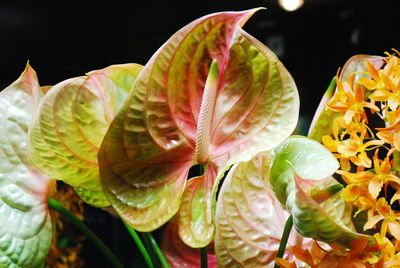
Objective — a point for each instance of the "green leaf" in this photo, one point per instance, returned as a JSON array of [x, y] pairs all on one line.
[[25, 225], [71, 123], [249, 218], [322, 123], [299, 166], [211, 95]]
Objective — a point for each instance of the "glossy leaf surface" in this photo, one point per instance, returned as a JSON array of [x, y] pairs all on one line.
[[249, 218], [323, 222], [179, 254], [299, 166], [72, 121], [180, 113], [25, 226], [195, 215]]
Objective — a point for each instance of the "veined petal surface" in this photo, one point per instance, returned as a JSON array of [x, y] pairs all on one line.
[[196, 224], [180, 255], [25, 226], [249, 218], [321, 222], [308, 158], [72, 121], [257, 103]]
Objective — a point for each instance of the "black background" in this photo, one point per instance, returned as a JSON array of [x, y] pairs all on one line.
[[63, 39]]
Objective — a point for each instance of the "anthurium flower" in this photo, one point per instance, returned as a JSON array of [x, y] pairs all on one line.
[[212, 95], [249, 218], [70, 125], [25, 225], [301, 166]]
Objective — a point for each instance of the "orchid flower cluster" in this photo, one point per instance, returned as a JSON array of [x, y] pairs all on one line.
[[199, 140], [364, 137]]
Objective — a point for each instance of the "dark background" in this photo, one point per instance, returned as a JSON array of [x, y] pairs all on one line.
[[63, 39]]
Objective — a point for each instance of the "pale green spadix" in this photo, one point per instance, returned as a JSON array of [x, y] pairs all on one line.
[[206, 113]]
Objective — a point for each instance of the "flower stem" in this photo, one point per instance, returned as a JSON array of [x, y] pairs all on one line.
[[149, 247], [140, 245], [204, 257], [57, 206], [156, 249], [284, 239]]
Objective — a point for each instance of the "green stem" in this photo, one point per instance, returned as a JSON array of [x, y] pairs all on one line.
[[140, 245], [204, 257], [149, 247], [156, 249], [284, 239], [57, 206]]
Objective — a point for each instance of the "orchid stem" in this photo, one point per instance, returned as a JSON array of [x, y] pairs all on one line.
[[140, 245], [156, 249], [284, 239], [60, 208], [204, 257]]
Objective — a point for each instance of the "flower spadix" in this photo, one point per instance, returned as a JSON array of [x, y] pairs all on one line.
[[211, 95], [25, 225]]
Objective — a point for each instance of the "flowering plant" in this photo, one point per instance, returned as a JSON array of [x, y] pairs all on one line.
[[200, 140]]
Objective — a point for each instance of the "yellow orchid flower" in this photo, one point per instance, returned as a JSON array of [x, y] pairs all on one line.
[[358, 195], [360, 255], [388, 256], [390, 135], [381, 176], [389, 218], [353, 149], [368, 85], [384, 83], [350, 99]]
